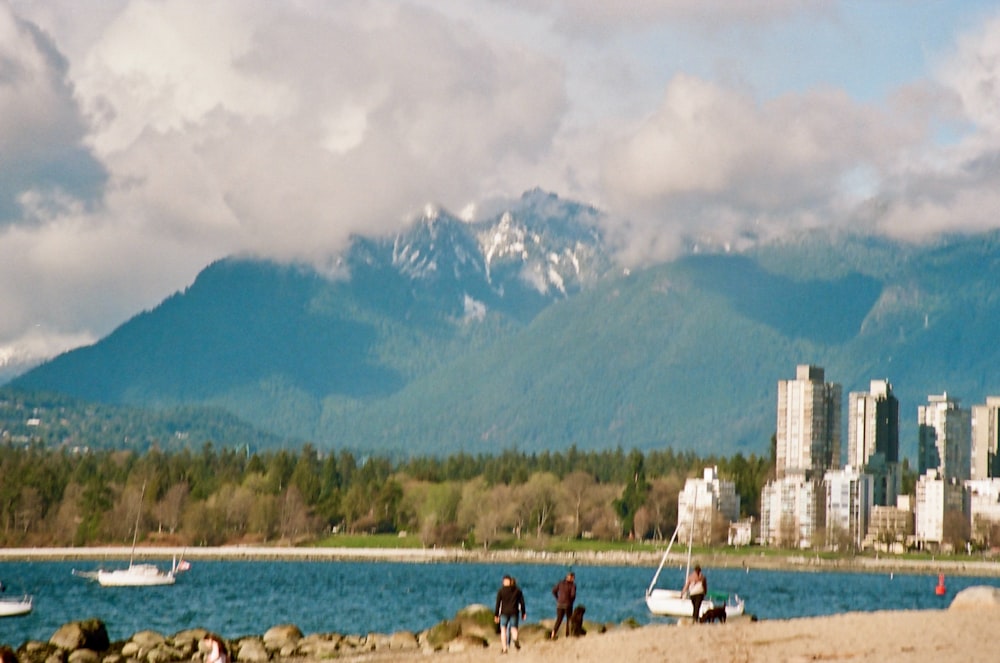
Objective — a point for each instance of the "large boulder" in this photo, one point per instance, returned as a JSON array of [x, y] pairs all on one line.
[[976, 598], [476, 620], [320, 646], [442, 633], [83, 656], [86, 634], [251, 650], [281, 636], [33, 651]]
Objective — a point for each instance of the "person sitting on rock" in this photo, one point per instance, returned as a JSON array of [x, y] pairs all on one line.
[[216, 649]]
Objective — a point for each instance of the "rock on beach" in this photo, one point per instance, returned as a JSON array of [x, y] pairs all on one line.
[[471, 629]]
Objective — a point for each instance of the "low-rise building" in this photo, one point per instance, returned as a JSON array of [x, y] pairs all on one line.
[[890, 528], [984, 511], [709, 505], [938, 501], [790, 511], [849, 500]]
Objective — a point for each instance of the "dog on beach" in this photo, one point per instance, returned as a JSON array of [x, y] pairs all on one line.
[[576, 622], [717, 614]]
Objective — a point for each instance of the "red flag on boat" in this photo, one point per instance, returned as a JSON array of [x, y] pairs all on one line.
[[183, 565]]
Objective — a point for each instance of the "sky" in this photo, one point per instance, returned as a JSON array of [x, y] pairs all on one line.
[[141, 140]]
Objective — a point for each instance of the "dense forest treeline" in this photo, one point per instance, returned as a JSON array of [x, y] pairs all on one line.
[[214, 496]]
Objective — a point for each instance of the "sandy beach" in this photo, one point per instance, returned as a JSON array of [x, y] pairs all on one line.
[[884, 637]]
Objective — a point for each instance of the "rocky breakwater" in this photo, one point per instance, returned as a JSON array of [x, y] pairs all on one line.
[[87, 642]]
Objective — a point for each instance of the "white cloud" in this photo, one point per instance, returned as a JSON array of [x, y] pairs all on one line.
[[41, 151], [953, 186], [712, 162], [265, 128], [142, 139], [600, 16]]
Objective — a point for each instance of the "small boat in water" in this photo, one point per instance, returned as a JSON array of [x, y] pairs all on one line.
[[136, 575], [14, 606]]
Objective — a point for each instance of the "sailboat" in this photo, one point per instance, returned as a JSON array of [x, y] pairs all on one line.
[[675, 603], [136, 575], [12, 606]]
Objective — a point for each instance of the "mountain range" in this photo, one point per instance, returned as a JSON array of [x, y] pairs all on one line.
[[520, 332]]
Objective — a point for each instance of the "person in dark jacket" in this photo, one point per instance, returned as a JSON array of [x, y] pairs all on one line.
[[510, 605], [696, 586], [565, 593]]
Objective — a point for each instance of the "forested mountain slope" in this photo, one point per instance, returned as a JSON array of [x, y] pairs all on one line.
[[519, 334]]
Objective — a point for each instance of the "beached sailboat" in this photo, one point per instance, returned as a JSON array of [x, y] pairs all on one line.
[[674, 603]]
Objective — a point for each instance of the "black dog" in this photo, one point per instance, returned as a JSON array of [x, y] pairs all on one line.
[[717, 614], [576, 622]]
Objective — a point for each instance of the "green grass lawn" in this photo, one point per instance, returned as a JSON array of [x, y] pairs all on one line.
[[369, 541]]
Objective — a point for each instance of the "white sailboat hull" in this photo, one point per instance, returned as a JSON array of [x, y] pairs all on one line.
[[136, 575], [12, 607], [671, 603]]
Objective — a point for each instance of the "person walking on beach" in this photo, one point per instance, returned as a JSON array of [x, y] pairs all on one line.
[[565, 593], [695, 587], [510, 605]]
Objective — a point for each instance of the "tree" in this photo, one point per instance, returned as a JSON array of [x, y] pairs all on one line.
[[306, 475], [28, 513], [662, 504], [956, 529], [634, 494], [293, 516], [538, 498], [67, 518], [169, 510], [125, 512], [576, 489]]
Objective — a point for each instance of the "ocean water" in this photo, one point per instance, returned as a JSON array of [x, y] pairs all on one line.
[[248, 597]]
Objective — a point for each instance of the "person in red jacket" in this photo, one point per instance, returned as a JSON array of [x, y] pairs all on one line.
[[565, 593]]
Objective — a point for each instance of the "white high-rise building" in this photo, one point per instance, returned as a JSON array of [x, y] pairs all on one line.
[[699, 503], [807, 441], [985, 439], [945, 438], [808, 426], [873, 438]]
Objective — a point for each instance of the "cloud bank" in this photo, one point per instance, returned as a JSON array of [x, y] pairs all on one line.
[[142, 139]]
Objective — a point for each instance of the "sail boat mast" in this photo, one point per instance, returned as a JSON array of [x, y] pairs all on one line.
[[135, 530], [694, 515]]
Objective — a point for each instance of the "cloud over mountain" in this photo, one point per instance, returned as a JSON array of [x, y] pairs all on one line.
[[143, 140]]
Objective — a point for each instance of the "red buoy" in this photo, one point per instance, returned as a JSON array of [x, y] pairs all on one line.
[[940, 589]]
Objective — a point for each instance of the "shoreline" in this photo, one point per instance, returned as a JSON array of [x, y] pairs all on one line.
[[801, 563]]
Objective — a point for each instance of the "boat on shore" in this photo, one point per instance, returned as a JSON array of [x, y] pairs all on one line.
[[676, 603], [672, 603], [14, 606]]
